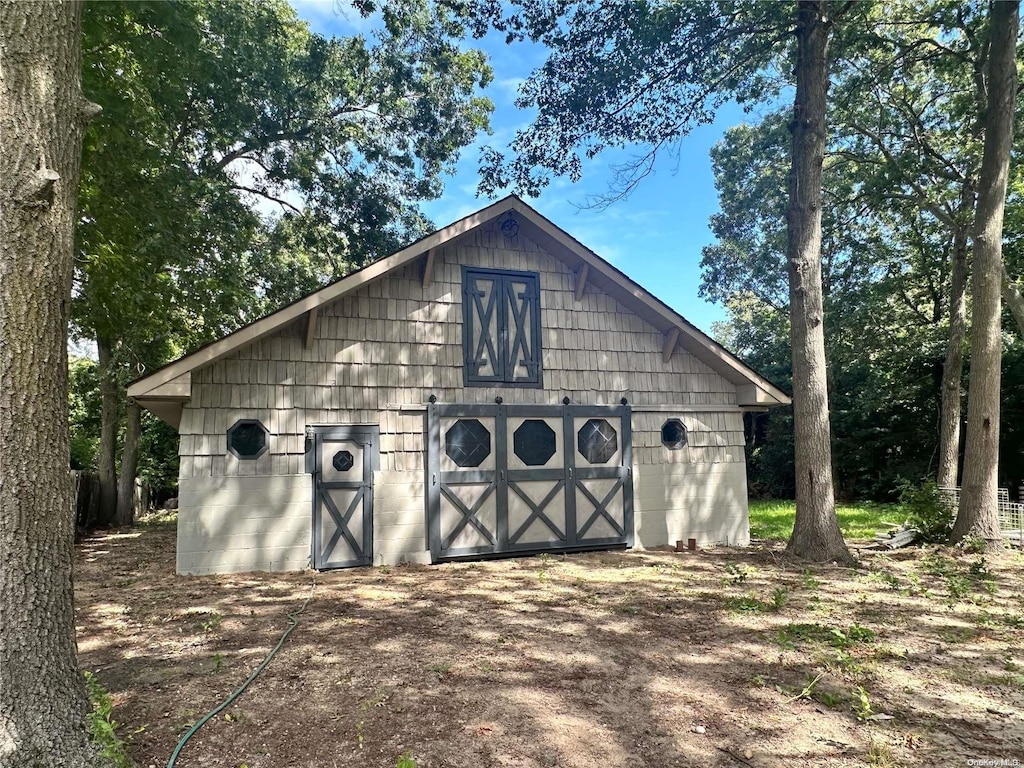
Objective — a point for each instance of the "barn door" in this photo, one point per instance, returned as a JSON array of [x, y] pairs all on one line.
[[536, 480], [600, 474], [463, 446], [528, 478], [343, 460]]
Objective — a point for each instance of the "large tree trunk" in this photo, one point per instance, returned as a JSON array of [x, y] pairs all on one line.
[[953, 367], [979, 512], [129, 465], [106, 460], [816, 534], [42, 116]]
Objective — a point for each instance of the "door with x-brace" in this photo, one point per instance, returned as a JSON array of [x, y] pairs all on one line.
[[525, 478], [343, 460]]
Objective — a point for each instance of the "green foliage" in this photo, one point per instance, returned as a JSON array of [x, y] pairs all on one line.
[[792, 634], [861, 704], [928, 510], [83, 412], [751, 603], [627, 74], [266, 162], [406, 761], [102, 727]]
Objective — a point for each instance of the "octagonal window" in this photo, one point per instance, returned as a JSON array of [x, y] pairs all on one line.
[[467, 443], [597, 441], [534, 442], [247, 439], [343, 461], [673, 434]]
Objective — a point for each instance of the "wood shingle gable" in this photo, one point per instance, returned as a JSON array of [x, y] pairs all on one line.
[[164, 390]]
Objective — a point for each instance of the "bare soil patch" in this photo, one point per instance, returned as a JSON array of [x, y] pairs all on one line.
[[724, 657]]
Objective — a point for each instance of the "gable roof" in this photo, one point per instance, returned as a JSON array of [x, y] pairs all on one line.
[[169, 382]]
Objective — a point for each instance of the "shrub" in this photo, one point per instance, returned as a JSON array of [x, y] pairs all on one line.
[[928, 510]]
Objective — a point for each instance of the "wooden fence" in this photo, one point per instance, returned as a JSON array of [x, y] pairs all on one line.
[[86, 497]]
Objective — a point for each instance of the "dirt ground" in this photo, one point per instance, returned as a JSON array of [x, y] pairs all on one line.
[[723, 657]]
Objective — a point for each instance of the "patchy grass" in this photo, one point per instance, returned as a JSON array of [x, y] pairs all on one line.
[[642, 659], [773, 520]]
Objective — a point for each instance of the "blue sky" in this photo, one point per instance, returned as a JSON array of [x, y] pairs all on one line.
[[655, 236]]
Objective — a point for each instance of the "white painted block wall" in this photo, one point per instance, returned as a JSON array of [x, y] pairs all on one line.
[[676, 502], [237, 524], [232, 524]]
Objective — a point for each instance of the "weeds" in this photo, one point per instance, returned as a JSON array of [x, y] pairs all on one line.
[[880, 755], [861, 704], [808, 689], [737, 573], [831, 700], [211, 624], [102, 727], [809, 582], [406, 761], [442, 670]]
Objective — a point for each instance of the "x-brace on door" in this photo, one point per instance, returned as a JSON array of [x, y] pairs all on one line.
[[343, 461], [526, 478]]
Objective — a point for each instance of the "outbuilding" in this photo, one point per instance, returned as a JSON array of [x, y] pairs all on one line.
[[494, 388]]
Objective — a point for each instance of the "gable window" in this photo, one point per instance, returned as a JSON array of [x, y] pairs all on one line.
[[501, 327]]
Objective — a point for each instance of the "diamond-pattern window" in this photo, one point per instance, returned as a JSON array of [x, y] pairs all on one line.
[[343, 461], [534, 442], [467, 443], [598, 441], [247, 439], [673, 434]]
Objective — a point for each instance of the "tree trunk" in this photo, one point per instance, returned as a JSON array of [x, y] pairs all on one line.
[[979, 511], [953, 367], [129, 465], [1014, 301], [43, 114], [816, 534], [106, 458]]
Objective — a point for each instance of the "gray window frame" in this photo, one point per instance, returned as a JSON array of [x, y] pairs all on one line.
[[243, 423], [501, 277]]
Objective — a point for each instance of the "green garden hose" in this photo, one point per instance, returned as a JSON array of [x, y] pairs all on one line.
[[293, 622]]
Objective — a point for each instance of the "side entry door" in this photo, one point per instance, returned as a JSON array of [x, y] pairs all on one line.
[[343, 460]]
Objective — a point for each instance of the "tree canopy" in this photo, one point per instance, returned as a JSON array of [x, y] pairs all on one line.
[[266, 162]]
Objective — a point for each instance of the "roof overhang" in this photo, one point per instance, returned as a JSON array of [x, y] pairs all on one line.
[[171, 384]]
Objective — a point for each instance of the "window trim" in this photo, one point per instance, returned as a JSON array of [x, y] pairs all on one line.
[[242, 423], [680, 444], [501, 276]]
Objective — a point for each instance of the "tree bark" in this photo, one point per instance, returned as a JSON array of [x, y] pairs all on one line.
[[106, 459], [979, 512], [42, 117], [1014, 300], [953, 367], [129, 465], [816, 535]]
